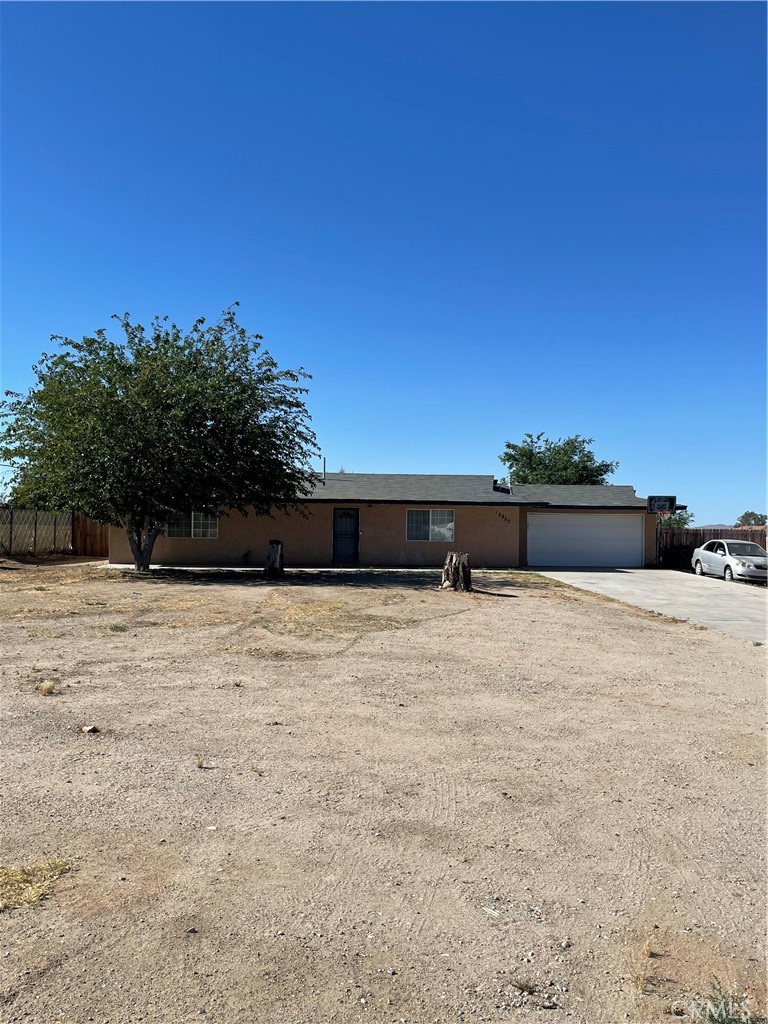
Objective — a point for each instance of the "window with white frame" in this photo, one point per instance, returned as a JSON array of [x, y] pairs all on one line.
[[430, 524], [194, 524]]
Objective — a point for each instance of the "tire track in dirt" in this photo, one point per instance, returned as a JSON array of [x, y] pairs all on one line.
[[372, 861]]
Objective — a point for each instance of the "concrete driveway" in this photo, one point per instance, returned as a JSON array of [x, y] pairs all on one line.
[[738, 609]]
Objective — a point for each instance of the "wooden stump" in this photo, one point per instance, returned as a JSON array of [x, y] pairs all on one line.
[[274, 567], [456, 572]]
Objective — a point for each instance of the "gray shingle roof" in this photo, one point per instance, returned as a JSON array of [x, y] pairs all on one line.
[[471, 490], [607, 496], [417, 487]]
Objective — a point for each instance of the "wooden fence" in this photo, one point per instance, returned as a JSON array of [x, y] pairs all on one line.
[[28, 531], [89, 537], [677, 546]]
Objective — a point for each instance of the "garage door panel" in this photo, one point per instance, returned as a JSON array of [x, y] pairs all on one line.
[[594, 540]]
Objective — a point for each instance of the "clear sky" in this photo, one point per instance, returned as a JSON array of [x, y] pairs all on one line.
[[467, 221]]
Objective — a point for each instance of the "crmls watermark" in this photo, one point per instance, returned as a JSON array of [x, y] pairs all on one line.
[[718, 1008]]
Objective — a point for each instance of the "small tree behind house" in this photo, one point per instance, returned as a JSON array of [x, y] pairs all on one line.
[[751, 519], [676, 520]]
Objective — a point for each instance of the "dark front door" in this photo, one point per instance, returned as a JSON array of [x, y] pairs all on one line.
[[346, 535]]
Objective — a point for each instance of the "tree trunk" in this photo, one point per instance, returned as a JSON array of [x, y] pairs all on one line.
[[274, 567], [456, 572], [142, 542]]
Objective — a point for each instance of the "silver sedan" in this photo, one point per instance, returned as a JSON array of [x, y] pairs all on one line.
[[731, 559]]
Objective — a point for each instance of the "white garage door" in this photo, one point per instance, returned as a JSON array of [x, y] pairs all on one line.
[[585, 539]]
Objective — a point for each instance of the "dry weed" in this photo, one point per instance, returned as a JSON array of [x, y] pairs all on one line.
[[648, 951], [176, 604], [639, 981], [322, 619], [25, 886], [46, 688], [273, 653], [37, 613], [216, 619]]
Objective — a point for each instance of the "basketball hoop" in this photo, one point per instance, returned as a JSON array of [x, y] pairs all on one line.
[[661, 504]]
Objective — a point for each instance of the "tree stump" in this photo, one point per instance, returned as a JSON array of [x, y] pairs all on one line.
[[274, 567], [456, 572]]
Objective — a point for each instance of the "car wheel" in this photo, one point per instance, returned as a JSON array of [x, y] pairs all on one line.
[[728, 574], [699, 569]]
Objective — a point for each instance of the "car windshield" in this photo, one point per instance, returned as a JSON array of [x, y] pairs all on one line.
[[745, 548]]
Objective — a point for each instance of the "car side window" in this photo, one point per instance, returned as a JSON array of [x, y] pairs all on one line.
[[710, 546]]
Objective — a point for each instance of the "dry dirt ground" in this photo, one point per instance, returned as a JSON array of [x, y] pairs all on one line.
[[361, 799]]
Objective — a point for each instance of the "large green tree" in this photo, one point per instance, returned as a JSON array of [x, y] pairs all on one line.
[[751, 519], [538, 460], [138, 431]]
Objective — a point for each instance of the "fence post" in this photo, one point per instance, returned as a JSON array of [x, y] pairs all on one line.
[[34, 536], [55, 523], [10, 534], [72, 533]]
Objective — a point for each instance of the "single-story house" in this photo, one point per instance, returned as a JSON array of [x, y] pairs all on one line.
[[411, 520]]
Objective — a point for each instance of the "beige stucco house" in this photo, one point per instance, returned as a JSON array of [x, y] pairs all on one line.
[[381, 519]]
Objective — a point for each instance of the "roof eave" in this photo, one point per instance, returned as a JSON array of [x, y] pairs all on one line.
[[469, 502]]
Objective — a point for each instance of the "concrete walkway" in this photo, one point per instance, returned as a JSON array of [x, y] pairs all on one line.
[[738, 609]]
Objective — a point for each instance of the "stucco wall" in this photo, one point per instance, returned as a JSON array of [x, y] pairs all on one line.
[[495, 537], [650, 540], [489, 534]]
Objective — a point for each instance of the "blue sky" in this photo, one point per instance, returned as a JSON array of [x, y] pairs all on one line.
[[467, 221]]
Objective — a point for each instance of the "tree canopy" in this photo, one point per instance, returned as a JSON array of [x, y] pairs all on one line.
[[538, 460], [751, 519], [136, 432], [677, 520]]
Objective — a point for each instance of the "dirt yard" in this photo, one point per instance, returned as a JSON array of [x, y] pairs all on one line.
[[357, 798]]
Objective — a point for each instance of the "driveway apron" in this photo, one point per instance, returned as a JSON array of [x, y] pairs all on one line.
[[738, 609]]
